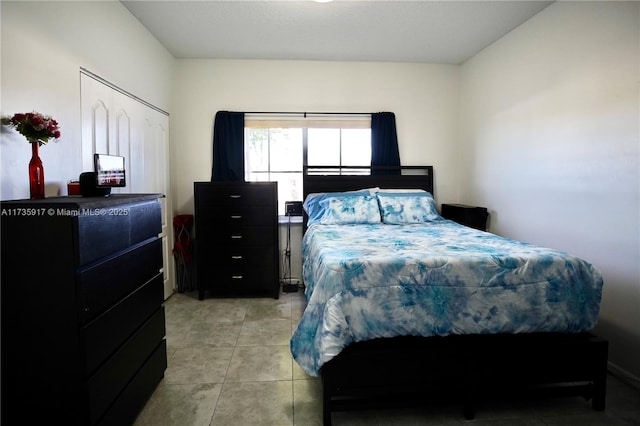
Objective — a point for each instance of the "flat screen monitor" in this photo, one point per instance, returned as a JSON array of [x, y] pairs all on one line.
[[109, 171]]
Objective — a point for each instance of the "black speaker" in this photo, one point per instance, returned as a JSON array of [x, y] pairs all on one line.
[[293, 208], [89, 186]]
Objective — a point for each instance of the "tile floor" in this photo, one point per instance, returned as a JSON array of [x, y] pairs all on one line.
[[229, 364]]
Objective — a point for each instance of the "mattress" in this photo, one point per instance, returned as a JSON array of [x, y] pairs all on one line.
[[368, 281]]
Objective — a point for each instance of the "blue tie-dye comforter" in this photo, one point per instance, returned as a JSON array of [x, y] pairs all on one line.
[[440, 278]]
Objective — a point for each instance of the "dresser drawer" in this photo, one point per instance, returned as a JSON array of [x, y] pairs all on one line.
[[234, 196], [211, 218], [104, 231], [248, 280], [113, 377], [244, 237], [237, 260], [103, 284], [126, 407], [106, 333]]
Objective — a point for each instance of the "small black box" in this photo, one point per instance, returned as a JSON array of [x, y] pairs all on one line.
[[293, 208], [89, 186]]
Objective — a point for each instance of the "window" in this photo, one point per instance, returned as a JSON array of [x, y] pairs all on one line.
[[275, 154], [277, 150], [339, 147]]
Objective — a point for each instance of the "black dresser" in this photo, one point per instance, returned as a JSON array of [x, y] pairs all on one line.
[[82, 317], [236, 238]]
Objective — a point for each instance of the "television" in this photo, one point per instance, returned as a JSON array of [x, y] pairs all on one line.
[[109, 171]]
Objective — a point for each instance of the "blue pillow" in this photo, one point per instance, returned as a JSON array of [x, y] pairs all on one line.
[[312, 205], [350, 209], [403, 208]]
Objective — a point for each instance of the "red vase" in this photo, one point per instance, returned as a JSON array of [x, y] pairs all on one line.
[[36, 173]]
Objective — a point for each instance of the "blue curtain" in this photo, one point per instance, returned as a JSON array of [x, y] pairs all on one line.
[[385, 157], [228, 146]]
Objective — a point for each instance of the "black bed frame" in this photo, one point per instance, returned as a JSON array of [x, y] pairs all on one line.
[[464, 369]]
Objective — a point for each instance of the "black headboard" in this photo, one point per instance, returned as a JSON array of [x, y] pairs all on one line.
[[412, 177]]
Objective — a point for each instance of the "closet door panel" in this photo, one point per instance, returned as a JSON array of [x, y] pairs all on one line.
[[118, 124]]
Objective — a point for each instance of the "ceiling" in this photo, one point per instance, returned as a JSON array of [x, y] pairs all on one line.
[[446, 32]]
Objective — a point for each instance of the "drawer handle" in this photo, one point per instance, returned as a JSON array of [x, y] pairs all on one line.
[[236, 216], [236, 237], [235, 196], [236, 257], [236, 277]]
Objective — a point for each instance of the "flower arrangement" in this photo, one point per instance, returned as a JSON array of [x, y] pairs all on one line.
[[34, 126]]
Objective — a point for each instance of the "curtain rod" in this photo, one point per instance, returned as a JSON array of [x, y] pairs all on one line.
[[304, 113]]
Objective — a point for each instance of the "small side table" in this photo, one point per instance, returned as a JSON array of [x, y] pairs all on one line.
[[472, 216]]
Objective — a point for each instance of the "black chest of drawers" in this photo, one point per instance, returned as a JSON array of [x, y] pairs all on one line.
[[236, 234], [82, 317]]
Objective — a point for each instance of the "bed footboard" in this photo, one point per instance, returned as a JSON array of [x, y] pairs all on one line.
[[420, 371]]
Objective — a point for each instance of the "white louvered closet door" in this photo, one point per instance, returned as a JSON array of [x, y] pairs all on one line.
[[115, 122]]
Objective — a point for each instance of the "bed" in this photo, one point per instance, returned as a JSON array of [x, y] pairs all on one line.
[[405, 307]]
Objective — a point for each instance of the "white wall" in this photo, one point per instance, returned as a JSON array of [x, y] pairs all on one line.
[[423, 97], [549, 142], [44, 44]]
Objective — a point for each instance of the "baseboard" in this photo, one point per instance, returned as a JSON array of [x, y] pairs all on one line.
[[624, 375]]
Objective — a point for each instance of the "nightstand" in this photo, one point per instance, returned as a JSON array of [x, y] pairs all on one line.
[[472, 216]]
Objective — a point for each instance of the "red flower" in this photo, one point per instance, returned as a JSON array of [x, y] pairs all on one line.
[[34, 126]]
